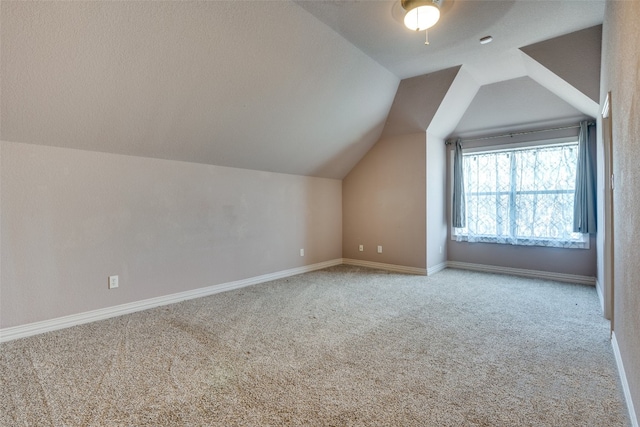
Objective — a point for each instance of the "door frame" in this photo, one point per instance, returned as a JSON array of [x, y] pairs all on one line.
[[608, 255]]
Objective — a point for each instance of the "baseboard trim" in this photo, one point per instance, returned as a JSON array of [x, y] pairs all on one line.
[[623, 379], [600, 295], [383, 266], [23, 331], [538, 274], [436, 268]]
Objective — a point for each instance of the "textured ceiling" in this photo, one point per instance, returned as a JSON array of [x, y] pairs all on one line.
[[496, 105], [294, 87], [375, 26], [256, 85]]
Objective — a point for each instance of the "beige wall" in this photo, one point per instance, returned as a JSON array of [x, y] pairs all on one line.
[[385, 195], [70, 218], [556, 260], [384, 203], [580, 262], [621, 76]]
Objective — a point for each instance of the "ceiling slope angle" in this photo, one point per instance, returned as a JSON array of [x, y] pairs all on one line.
[[522, 94], [225, 83], [514, 105], [376, 28], [574, 57], [417, 101]]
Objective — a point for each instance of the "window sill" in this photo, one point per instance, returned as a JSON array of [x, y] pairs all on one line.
[[547, 243]]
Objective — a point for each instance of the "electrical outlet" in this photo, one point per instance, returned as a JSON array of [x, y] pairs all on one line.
[[113, 282], [361, 248], [301, 252], [379, 249]]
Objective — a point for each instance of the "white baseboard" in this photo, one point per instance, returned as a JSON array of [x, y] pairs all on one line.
[[388, 267], [436, 268], [560, 277], [22, 331], [623, 379], [600, 295]]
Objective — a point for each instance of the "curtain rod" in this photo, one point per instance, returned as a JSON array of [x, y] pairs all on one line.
[[512, 134]]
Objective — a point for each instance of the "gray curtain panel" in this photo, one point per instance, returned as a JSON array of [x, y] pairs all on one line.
[[458, 211], [584, 204]]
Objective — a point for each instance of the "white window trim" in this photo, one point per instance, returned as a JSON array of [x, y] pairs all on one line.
[[517, 145]]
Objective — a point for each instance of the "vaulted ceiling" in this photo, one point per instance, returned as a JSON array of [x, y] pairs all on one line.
[[534, 105], [376, 28], [295, 87]]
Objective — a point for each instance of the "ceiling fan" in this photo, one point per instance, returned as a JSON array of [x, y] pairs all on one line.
[[421, 14]]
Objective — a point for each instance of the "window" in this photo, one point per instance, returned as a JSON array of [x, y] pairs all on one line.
[[521, 196]]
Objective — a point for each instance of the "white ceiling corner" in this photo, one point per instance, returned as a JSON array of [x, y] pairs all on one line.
[[560, 87], [455, 103]]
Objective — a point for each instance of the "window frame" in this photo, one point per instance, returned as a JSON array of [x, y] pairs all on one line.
[[583, 243]]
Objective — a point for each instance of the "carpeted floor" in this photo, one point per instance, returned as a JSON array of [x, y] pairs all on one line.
[[345, 346]]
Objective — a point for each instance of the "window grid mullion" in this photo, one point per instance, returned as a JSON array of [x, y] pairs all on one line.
[[536, 194], [496, 197], [512, 196]]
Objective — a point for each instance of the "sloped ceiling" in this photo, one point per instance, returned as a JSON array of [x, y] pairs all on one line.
[[574, 57], [295, 87], [248, 84], [376, 27], [416, 102], [562, 38], [514, 104]]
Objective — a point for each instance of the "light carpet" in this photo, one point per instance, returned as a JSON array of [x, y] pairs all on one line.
[[344, 346]]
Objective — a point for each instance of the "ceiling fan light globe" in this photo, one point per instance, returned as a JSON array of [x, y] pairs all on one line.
[[422, 17]]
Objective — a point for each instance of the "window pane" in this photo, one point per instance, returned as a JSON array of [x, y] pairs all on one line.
[[521, 196]]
